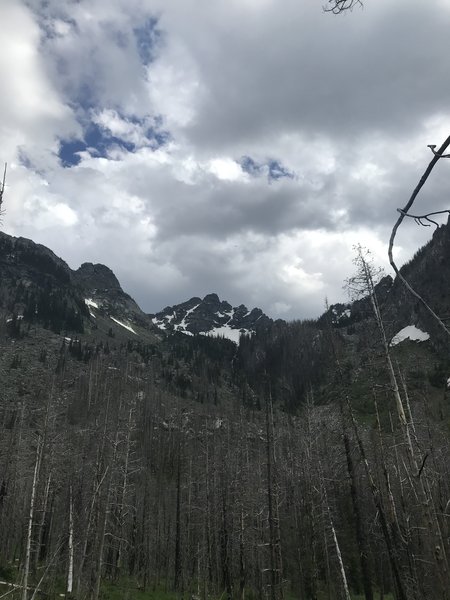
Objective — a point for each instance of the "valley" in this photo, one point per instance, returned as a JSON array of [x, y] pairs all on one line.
[[149, 456]]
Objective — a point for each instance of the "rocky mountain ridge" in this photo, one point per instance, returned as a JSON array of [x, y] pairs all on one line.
[[39, 285], [210, 316]]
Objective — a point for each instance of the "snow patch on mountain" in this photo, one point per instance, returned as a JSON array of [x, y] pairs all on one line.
[[91, 303], [158, 323], [340, 312], [124, 325], [183, 325], [225, 331], [412, 333]]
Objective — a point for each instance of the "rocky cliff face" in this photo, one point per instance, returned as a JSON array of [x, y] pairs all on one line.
[[96, 277], [37, 286], [101, 288]]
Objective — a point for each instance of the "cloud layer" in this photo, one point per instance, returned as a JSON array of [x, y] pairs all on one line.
[[235, 147]]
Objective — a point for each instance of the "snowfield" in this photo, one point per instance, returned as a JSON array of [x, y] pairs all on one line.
[[411, 332], [225, 331]]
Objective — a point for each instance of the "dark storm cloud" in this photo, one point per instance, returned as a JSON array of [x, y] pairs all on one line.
[[381, 69], [221, 208]]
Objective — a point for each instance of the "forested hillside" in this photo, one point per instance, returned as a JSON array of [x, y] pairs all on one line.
[[309, 461]]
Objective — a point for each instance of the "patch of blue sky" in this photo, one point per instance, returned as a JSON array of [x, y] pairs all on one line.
[[98, 141], [159, 137], [278, 171], [98, 138], [250, 166], [148, 39], [69, 152], [272, 168]]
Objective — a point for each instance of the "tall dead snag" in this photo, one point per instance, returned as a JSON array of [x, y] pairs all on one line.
[[401, 593], [122, 508], [346, 592], [2, 189], [361, 538], [420, 220], [70, 545], [276, 588], [37, 466], [363, 283], [177, 582]]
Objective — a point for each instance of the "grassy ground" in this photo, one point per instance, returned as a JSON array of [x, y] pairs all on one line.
[[126, 591]]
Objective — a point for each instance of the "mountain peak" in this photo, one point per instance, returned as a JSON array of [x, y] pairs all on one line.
[[211, 298], [210, 316], [96, 276]]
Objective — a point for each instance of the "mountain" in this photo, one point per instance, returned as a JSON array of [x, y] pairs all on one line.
[[88, 304], [37, 286], [211, 316], [40, 287], [102, 291]]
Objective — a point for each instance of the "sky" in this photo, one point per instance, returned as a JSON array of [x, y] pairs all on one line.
[[241, 147]]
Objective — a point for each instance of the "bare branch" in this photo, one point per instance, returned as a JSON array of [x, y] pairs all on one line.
[[422, 465], [420, 218], [432, 148], [339, 6], [404, 212]]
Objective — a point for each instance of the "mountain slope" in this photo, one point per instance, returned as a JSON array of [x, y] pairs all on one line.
[[428, 272], [41, 289], [89, 304]]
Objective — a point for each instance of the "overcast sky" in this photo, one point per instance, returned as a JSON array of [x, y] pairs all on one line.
[[233, 146]]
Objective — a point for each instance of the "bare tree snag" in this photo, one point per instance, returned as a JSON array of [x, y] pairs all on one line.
[[37, 466], [437, 155], [70, 569], [2, 188]]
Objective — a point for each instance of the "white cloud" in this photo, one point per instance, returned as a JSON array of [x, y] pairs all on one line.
[[174, 86], [226, 169], [32, 113]]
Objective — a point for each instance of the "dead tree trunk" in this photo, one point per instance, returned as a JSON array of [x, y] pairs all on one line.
[[37, 465]]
